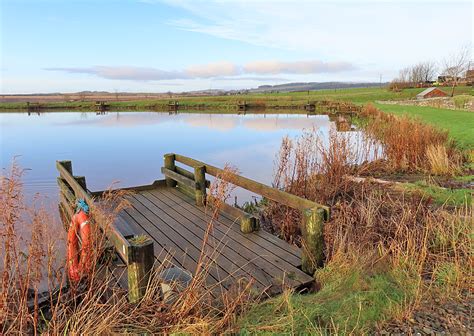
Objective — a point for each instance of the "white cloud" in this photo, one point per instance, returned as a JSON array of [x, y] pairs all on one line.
[[385, 34], [124, 72], [217, 70], [300, 67]]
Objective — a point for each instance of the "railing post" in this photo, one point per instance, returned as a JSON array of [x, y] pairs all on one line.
[[312, 255], [82, 182], [140, 265], [169, 163], [248, 224], [67, 165], [200, 179]]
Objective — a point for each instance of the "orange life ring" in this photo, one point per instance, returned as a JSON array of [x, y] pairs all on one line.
[[79, 259]]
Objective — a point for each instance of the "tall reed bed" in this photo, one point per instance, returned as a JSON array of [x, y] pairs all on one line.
[[410, 144], [367, 217], [98, 305]]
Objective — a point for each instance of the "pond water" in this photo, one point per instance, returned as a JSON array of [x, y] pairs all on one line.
[[128, 147]]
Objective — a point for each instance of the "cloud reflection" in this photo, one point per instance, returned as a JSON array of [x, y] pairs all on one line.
[[219, 122]]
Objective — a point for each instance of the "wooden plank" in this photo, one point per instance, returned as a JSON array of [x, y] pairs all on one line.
[[240, 253], [161, 252], [242, 240], [71, 181], [198, 227], [185, 190], [184, 172], [179, 178], [188, 174], [261, 242], [273, 194], [188, 255], [154, 185], [64, 188], [283, 245], [264, 239], [229, 269], [66, 207], [123, 227], [166, 255], [238, 214]]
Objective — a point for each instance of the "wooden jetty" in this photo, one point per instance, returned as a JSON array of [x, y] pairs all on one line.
[[310, 107], [31, 107], [101, 106], [171, 218], [242, 106], [173, 105]]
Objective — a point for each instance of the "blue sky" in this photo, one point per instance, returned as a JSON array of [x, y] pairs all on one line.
[[159, 45]]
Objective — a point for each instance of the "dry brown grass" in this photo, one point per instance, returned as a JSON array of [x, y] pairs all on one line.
[[406, 141], [97, 305], [439, 161], [392, 228], [311, 168]]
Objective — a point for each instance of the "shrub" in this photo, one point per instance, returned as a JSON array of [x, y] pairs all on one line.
[[461, 101], [438, 160]]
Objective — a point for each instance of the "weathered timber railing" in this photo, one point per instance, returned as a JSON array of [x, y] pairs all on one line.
[[195, 184], [136, 252]]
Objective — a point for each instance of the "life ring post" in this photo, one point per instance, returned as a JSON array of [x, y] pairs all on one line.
[[140, 266]]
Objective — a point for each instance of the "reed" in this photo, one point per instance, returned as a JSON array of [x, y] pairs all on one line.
[[97, 304], [408, 142]]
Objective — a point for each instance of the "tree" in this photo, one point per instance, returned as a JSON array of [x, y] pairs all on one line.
[[422, 72], [456, 65]]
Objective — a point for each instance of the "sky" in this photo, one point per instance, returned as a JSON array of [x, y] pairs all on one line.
[[182, 45]]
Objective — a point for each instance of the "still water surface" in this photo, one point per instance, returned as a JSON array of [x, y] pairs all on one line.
[[128, 147]]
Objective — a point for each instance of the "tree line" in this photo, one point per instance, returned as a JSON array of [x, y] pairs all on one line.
[[453, 68]]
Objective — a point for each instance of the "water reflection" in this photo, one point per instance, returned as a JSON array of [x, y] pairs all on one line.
[[128, 146]]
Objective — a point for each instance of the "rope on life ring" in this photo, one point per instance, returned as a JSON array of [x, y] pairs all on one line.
[[79, 253]]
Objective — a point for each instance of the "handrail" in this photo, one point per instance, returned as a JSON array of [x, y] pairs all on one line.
[[120, 243], [137, 251], [313, 214], [273, 194]]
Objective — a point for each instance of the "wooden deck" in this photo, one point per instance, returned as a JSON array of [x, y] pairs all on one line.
[[169, 221], [177, 227]]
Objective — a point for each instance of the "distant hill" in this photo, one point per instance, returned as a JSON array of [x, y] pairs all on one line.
[[291, 87]]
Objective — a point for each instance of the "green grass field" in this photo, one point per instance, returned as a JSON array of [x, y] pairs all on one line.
[[460, 124], [357, 95]]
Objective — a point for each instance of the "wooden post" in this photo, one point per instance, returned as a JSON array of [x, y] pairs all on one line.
[[82, 181], [140, 265], [65, 192], [248, 224], [313, 240], [200, 179], [170, 164], [67, 165]]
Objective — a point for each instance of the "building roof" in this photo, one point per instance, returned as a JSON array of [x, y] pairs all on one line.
[[425, 92]]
